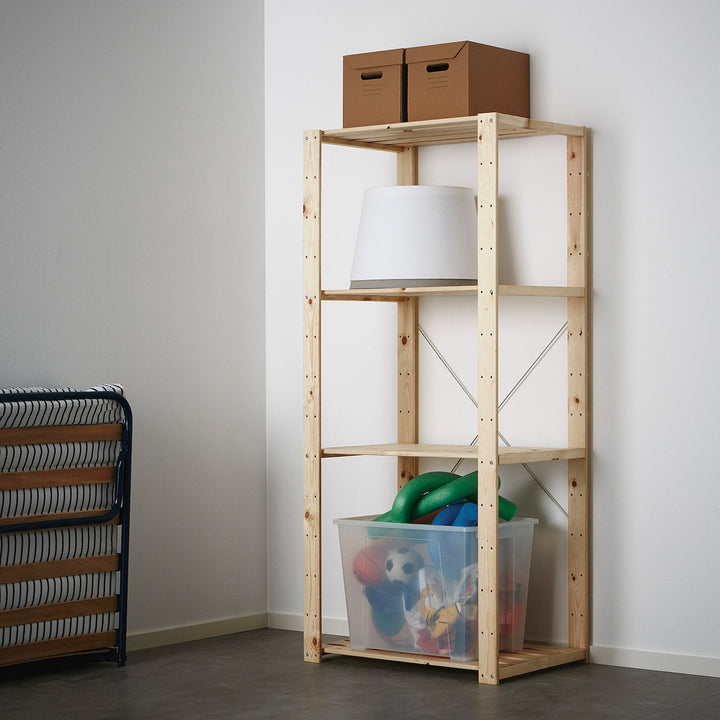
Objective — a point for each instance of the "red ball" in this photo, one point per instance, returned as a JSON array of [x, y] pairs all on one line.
[[369, 565]]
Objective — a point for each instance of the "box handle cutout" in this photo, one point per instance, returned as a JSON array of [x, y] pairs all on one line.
[[371, 75], [438, 67]]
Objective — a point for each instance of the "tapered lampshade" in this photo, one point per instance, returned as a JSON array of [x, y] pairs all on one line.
[[415, 236]]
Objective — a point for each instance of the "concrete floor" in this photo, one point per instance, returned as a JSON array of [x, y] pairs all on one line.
[[260, 674]]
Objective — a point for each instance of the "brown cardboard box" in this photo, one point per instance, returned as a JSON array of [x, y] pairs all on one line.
[[374, 88], [466, 78]]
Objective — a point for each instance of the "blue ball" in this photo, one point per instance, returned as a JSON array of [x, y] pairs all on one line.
[[448, 514], [468, 516]]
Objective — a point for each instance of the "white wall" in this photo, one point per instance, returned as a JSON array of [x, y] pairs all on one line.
[[644, 77], [131, 191]]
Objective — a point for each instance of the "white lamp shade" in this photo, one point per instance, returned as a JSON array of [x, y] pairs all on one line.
[[416, 235]]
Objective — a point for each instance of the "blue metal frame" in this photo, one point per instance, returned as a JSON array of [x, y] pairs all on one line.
[[121, 497]]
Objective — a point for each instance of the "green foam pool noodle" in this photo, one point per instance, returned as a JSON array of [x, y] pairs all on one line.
[[459, 489], [434, 490], [409, 494], [506, 508]]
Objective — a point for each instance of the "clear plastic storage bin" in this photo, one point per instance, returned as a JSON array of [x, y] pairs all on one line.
[[413, 588]]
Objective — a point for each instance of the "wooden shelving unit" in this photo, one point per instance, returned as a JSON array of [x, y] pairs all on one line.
[[404, 139]]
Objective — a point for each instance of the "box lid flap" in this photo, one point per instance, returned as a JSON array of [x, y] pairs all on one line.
[[375, 59], [429, 53]]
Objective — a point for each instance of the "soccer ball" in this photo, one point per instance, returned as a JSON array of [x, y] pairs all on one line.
[[402, 565]]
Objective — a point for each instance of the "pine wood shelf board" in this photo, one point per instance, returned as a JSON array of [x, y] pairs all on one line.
[[540, 291], [530, 659], [435, 132], [506, 455], [392, 294], [342, 647], [537, 657]]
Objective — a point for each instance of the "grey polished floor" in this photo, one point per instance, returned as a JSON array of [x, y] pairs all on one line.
[[260, 674]]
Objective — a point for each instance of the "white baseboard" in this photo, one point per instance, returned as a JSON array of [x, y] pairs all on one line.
[[201, 631], [620, 657], [291, 621], [647, 660]]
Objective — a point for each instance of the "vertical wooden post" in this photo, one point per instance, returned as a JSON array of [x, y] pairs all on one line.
[[311, 400], [578, 396], [487, 400], [407, 174]]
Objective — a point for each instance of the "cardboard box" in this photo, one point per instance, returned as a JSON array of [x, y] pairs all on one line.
[[414, 588], [466, 78], [374, 88]]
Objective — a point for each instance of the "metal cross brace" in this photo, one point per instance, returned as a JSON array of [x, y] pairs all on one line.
[[513, 390]]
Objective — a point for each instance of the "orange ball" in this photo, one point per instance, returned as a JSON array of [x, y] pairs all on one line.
[[369, 565]]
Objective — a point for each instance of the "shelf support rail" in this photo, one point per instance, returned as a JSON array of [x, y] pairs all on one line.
[[488, 668], [312, 545], [578, 395]]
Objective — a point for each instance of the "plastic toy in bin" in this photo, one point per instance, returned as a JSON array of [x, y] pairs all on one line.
[[437, 622], [433, 491], [369, 565]]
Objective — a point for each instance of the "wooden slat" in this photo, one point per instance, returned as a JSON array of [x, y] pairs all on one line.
[[58, 611], [407, 367], [60, 434], [76, 515], [58, 647], [407, 347], [512, 126], [437, 132], [578, 397], [507, 455], [115, 520], [342, 647], [311, 398], [59, 568], [540, 291], [487, 399], [403, 450], [57, 478], [395, 294], [408, 134], [530, 659], [348, 142], [519, 455]]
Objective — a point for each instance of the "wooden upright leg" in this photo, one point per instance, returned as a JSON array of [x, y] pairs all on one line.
[[487, 401], [407, 385], [578, 397], [407, 174], [311, 401]]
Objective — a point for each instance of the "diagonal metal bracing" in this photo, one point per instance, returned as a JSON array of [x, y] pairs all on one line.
[[505, 400]]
